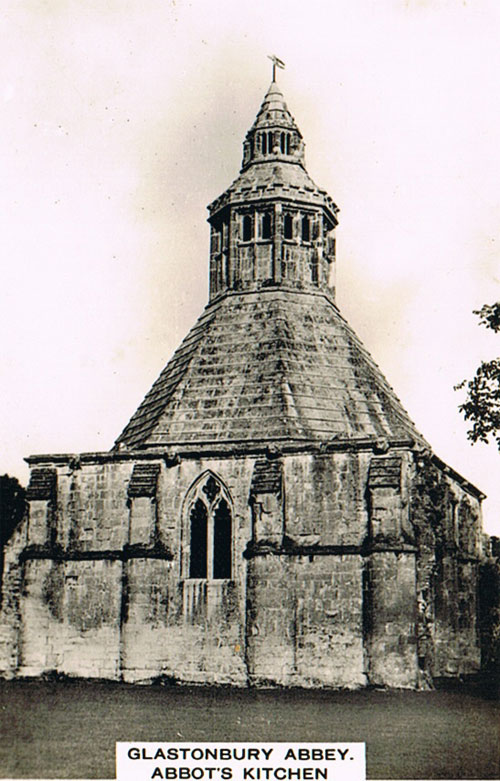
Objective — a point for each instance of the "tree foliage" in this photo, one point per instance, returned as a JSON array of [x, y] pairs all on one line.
[[482, 405], [489, 315], [12, 505]]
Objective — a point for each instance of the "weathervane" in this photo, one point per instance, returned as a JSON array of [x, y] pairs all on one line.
[[276, 62]]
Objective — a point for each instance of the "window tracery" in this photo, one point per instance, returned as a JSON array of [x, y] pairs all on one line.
[[208, 530]]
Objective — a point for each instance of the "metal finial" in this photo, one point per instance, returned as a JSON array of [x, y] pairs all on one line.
[[276, 62]]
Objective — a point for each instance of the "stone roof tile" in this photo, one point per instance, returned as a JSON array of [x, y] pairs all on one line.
[[42, 484], [144, 480], [268, 365]]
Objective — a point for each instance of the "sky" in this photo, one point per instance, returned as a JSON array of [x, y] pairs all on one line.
[[123, 119]]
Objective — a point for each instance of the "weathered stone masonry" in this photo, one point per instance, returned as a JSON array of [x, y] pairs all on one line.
[[342, 596], [269, 515]]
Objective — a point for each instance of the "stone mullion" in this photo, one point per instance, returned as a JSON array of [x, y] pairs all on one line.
[[214, 275], [317, 252], [210, 543], [254, 253], [277, 242], [233, 257]]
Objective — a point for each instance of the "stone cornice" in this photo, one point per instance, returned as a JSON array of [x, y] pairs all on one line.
[[57, 553], [177, 451], [229, 449]]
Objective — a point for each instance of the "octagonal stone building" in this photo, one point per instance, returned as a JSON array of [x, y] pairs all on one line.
[[270, 515]]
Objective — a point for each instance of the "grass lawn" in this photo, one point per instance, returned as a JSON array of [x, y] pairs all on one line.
[[68, 729]]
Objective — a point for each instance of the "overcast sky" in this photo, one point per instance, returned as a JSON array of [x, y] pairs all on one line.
[[123, 119]]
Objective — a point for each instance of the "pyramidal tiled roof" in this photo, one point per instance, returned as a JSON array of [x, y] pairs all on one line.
[[271, 180], [269, 362], [267, 366]]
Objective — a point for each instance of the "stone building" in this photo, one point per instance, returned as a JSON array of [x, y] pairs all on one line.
[[269, 515]]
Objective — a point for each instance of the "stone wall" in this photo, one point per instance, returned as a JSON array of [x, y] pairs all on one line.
[[390, 619], [346, 568], [489, 609], [70, 618], [325, 498], [104, 592], [305, 621], [12, 590], [446, 519]]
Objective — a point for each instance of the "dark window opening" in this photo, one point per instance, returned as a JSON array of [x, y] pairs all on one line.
[[285, 143], [269, 142], [263, 143], [247, 228], [306, 229], [288, 227], [209, 532], [266, 226], [198, 557], [314, 272], [222, 541]]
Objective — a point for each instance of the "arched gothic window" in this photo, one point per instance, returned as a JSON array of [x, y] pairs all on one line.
[[198, 518], [288, 226], [209, 530], [247, 228], [221, 560]]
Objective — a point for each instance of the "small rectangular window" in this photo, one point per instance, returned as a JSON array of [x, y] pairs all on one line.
[[306, 229], [266, 226], [247, 228]]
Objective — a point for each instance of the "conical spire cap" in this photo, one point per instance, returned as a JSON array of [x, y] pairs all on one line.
[[274, 110], [274, 134]]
